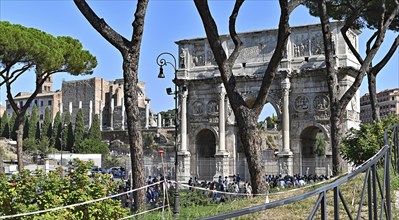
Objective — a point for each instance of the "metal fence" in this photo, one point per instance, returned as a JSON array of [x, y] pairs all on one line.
[[375, 194]]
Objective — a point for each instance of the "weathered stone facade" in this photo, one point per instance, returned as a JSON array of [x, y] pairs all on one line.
[[105, 98], [299, 94]]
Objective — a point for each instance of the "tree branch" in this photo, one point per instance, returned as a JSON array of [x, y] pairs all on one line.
[[282, 38], [218, 51], [366, 65], [233, 34], [117, 40], [348, 23], [211, 32], [368, 44], [377, 68]]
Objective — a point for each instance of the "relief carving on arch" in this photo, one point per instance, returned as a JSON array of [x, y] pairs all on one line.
[[198, 55], [321, 103], [183, 57], [198, 108], [300, 45], [322, 115], [301, 103], [316, 43], [210, 59], [212, 107]]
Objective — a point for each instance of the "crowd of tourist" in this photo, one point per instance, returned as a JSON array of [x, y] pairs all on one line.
[[218, 190]]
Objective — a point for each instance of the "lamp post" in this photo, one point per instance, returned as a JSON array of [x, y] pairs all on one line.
[[161, 63]]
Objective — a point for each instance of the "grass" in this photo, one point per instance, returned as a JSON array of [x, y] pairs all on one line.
[[196, 205]]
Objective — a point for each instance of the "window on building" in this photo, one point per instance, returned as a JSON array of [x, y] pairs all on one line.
[[8, 106], [35, 102], [49, 102], [41, 103], [41, 116]]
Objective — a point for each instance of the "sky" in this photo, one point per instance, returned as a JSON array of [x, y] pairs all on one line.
[[166, 22]]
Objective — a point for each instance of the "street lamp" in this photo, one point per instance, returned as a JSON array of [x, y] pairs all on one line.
[[161, 63]]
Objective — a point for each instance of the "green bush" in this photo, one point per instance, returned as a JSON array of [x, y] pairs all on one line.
[[26, 192], [361, 144]]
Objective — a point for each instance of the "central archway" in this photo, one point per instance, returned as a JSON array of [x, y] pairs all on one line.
[[206, 149]]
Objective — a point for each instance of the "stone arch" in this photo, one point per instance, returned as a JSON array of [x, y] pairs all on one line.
[[311, 163], [205, 148], [250, 100], [205, 143]]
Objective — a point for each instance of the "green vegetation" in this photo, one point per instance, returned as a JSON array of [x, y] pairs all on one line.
[[5, 126], [33, 124], [360, 144], [320, 146], [27, 192], [78, 133], [47, 127], [28, 50]]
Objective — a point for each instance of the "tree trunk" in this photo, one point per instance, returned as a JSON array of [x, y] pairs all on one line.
[[20, 133], [336, 129], [375, 107], [251, 141], [130, 51], [131, 88]]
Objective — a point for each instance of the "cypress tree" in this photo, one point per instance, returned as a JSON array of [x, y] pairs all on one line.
[[56, 142], [13, 126], [1, 125], [94, 131], [26, 127], [33, 121], [5, 126], [67, 137], [79, 128], [47, 128]]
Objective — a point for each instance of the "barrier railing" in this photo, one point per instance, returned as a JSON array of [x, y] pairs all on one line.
[[374, 190]]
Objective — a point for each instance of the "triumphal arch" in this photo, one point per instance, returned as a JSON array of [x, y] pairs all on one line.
[[209, 145]]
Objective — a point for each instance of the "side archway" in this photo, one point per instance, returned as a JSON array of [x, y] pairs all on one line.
[[205, 144]]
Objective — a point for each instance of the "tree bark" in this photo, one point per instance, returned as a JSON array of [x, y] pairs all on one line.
[[20, 133], [130, 51], [375, 107], [249, 136], [133, 126]]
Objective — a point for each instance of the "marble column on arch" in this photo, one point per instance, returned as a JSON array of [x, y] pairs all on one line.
[[222, 156], [183, 153], [286, 156]]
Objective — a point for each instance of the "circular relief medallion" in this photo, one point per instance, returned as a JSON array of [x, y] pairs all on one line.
[[321, 102], [198, 108], [301, 103], [212, 107]]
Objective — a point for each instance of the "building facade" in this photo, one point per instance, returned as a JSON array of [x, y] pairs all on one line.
[[388, 101], [104, 98], [43, 100], [209, 145]]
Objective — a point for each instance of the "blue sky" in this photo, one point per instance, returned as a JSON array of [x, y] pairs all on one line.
[[166, 22]]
